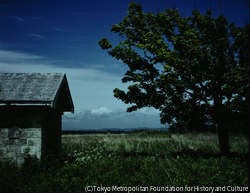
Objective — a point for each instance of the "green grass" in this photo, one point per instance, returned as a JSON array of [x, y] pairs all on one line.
[[152, 158]]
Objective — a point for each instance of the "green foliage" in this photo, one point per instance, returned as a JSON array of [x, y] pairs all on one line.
[[204, 60], [153, 164], [104, 43]]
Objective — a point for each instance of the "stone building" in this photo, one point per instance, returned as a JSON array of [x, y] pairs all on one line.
[[31, 109]]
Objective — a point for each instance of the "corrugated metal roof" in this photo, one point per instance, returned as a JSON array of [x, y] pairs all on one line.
[[31, 87]]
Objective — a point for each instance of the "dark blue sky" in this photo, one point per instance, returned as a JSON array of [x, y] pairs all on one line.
[[63, 35]]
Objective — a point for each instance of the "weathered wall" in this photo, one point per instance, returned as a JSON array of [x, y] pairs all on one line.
[[13, 142], [36, 127]]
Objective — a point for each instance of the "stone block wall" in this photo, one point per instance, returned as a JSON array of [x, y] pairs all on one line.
[[14, 140], [35, 127]]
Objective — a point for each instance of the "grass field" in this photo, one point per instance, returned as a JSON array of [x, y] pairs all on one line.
[[142, 161]]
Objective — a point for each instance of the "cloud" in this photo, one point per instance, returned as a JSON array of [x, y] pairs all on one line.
[[15, 58], [16, 18], [116, 118], [95, 66], [91, 90], [58, 29], [36, 35], [102, 110]]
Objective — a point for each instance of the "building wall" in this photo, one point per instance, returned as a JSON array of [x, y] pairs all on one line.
[[51, 133], [34, 127], [14, 141]]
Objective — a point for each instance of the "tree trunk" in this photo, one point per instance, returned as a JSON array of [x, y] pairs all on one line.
[[221, 125], [223, 138]]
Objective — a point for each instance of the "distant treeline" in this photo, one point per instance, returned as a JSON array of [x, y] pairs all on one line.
[[101, 132]]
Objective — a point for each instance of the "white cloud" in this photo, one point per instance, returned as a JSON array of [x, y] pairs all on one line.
[[58, 29], [13, 57], [149, 111], [116, 118], [102, 110], [91, 90], [15, 18], [36, 35]]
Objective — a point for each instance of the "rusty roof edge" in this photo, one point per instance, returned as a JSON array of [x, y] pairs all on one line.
[[64, 81]]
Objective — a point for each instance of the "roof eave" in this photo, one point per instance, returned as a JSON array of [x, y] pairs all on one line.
[[25, 103]]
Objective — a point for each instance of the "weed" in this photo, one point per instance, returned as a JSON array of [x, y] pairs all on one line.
[[153, 158]]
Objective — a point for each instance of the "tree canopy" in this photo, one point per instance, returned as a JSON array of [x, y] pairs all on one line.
[[193, 69]]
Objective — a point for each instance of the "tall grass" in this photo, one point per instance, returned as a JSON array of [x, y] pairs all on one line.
[[158, 140], [152, 158]]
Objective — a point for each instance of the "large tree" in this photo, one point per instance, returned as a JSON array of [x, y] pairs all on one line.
[[193, 69]]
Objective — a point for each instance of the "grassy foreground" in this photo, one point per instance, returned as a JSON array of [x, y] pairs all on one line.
[[133, 163]]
